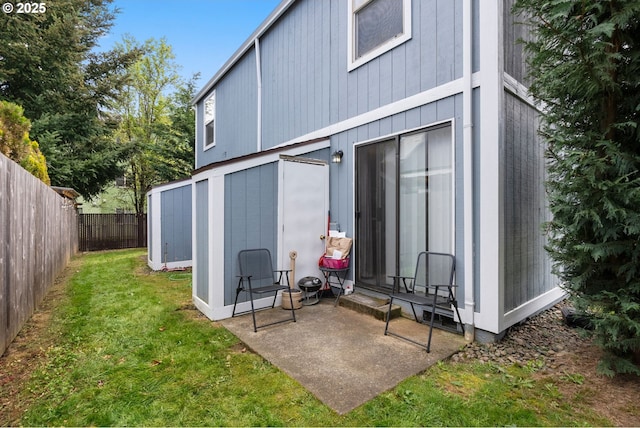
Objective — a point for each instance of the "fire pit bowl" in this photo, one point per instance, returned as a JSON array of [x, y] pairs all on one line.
[[310, 285]]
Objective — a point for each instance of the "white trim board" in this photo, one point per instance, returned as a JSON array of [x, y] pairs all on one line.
[[429, 96], [272, 156], [170, 186]]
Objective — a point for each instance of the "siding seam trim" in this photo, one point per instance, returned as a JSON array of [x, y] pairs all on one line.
[[429, 96]]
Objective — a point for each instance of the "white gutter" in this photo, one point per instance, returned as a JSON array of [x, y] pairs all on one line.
[[259, 81], [467, 133]]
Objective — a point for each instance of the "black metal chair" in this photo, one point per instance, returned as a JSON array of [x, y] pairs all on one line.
[[434, 272], [257, 277]]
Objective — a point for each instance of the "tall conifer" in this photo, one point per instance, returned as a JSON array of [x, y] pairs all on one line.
[[584, 61]]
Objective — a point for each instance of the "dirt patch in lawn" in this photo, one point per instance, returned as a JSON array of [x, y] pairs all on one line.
[[568, 360], [25, 354], [615, 398]]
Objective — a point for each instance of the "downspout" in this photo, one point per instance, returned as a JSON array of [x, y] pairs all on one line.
[[259, 81], [467, 136]]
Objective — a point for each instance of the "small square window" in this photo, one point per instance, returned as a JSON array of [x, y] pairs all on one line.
[[376, 26], [209, 121], [210, 140]]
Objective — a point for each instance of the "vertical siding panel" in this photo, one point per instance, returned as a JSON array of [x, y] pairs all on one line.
[[399, 122], [230, 242], [313, 45], [373, 84], [374, 130], [386, 79], [510, 202], [202, 239], [457, 39], [446, 108], [445, 42], [517, 170], [343, 78], [250, 218], [325, 78], [279, 90], [334, 104], [386, 126], [413, 51], [176, 224], [362, 91], [399, 82], [290, 73], [269, 208], [299, 68], [236, 98], [428, 44], [413, 118], [429, 113], [527, 267]]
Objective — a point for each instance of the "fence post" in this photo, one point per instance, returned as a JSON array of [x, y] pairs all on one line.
[[142, 228]]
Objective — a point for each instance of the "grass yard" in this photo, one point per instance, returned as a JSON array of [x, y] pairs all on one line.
[[124, 346]]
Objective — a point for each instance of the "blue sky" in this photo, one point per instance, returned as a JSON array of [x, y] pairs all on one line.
[[203, 33]]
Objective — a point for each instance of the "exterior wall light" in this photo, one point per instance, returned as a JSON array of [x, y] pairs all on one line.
[[336, 157]]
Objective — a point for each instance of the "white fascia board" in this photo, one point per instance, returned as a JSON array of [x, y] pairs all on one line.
[[170, 186], [246, 46], [262, 160], [491, 212]]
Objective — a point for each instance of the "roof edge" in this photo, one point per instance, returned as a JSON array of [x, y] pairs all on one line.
[[275, 149], [266, 24]]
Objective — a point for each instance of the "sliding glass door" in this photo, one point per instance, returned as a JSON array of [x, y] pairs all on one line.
[[404, 203]]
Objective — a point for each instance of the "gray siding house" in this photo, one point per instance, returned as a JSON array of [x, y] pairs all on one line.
[[426, 102]]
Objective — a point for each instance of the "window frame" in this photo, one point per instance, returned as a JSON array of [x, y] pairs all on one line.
[[352, 61], [210, 98]]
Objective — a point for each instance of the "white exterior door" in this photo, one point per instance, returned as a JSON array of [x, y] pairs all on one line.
[[302, 217]]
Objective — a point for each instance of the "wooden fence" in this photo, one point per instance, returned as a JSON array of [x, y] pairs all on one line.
[[38, 236], [112, 231]]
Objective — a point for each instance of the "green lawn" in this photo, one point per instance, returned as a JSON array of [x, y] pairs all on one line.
[[127, 348]]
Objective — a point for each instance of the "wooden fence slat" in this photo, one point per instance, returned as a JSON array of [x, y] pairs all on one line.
[[38, 236], [111, 231]]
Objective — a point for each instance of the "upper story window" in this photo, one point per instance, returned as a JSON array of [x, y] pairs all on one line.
[[375, 27], [210, 121]]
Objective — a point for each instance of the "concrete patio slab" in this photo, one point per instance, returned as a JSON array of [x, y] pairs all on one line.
[[342, 356]]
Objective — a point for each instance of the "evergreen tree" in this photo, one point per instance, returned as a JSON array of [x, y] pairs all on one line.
[[47, 66], [585, 70]]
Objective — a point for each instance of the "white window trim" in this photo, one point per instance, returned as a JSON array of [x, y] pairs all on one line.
[[352, 62], [204, 122]]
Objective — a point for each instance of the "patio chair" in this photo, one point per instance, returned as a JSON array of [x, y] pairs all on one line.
[[257, 278], [434, 272]]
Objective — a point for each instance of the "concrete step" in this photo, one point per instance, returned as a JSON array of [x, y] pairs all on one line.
[[369, 305]]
